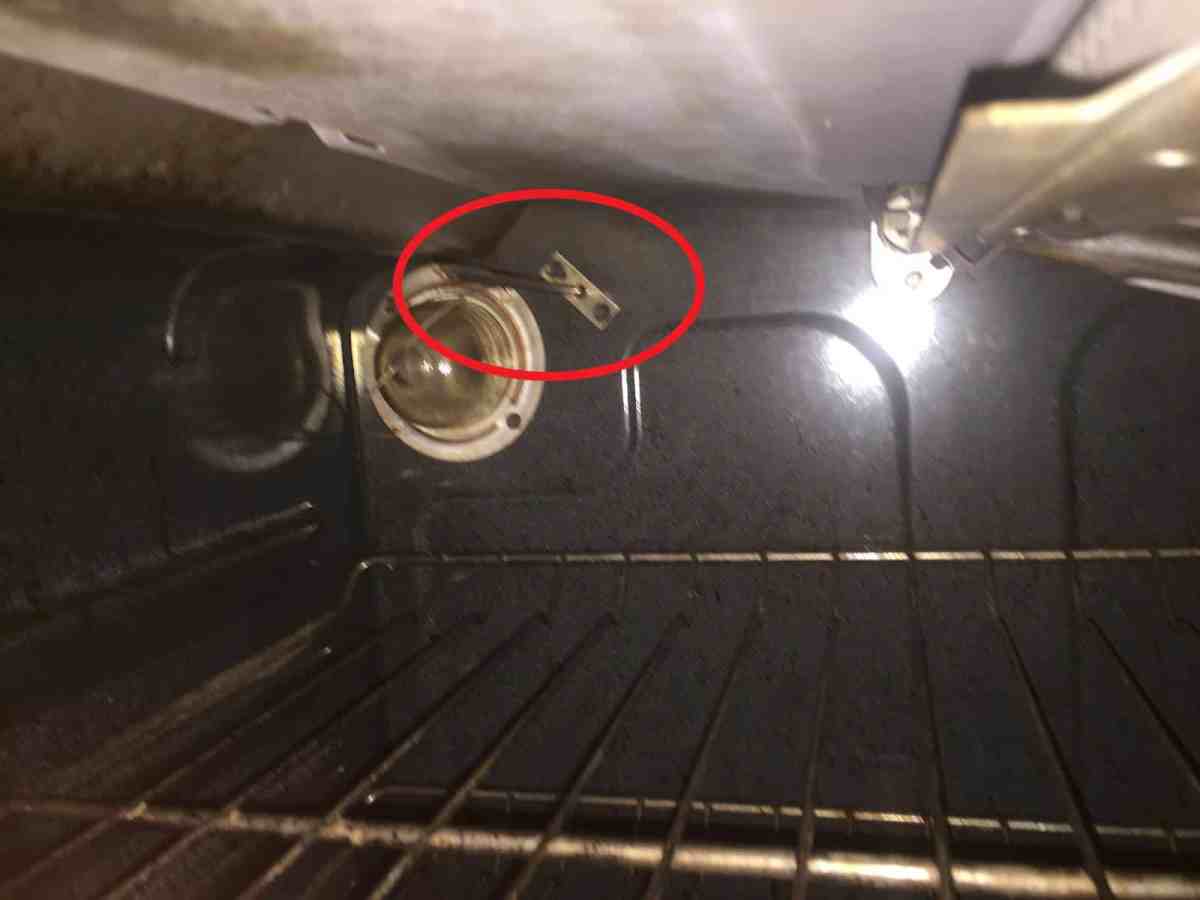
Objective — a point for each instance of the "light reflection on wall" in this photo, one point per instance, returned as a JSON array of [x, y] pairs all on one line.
[[902, 325]]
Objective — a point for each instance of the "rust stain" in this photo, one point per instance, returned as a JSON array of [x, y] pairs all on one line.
[[233, 36]]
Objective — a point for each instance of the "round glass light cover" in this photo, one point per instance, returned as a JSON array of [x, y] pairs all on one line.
[[429, 390]]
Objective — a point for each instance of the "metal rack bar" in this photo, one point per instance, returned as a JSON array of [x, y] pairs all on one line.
[[443, 705], [1081, 826], [864, 869], [769, 813], [165, 855], [658, 881], [808, 824], [324, 878], [793, 557], [57, 854], [567, 804], [1075, 657], [532, 707], [939, 827], [1186, 759]]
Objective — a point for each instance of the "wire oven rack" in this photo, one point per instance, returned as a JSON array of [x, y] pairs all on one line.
[[790, 842], [777, 841]]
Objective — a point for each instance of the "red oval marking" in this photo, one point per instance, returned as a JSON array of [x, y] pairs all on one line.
[[627, 362]]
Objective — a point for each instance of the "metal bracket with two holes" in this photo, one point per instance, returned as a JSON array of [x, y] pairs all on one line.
[[595, 305]]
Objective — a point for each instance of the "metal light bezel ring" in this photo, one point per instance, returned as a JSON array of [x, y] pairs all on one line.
[[487, 435]]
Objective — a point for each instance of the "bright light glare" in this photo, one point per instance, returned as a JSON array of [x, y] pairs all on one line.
[[1173, 158], [444, 366], [902, 325]]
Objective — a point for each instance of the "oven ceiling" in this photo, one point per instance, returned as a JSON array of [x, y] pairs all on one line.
[[807, 97]]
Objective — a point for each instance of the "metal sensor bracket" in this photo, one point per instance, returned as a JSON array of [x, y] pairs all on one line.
[[595, 305]]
